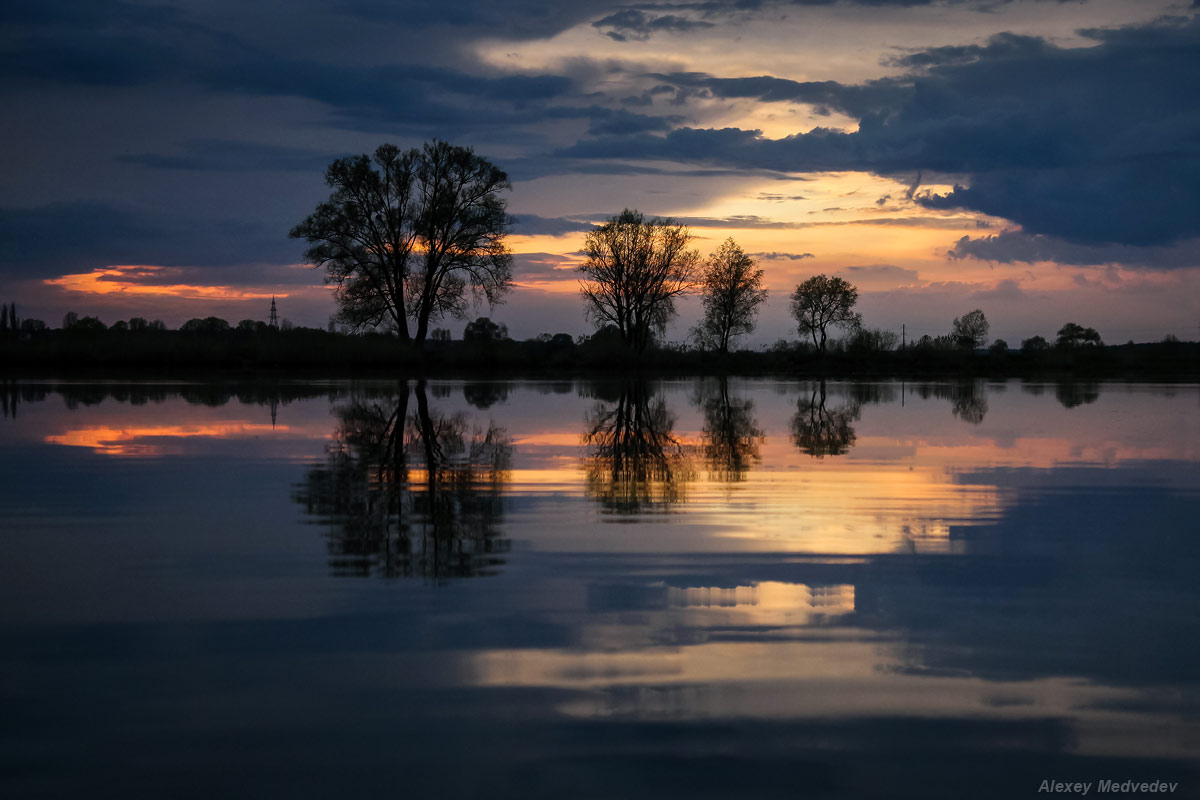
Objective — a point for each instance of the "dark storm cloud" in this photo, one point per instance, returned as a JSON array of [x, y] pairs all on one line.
[[114, 44], [1097, 145], [382, 90], [516, 19], [533, 225], [606, 121], [83, 13], [62, 237], [855, 100], [225, 155], [630, 24], [530, 168], [617, 19], [543, 266], [129, 46], [821, 149], [1014, 246], [1009, 44]]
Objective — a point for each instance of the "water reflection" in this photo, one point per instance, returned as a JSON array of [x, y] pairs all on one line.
[[1089, 582], [732, 440], [633, 462], [1076, 393], [485, 394], [821, 430], [968, 398], [11, 394], [410, 494], [966, 608]]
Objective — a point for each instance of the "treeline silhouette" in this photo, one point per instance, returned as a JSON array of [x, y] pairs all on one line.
[[211, 343]]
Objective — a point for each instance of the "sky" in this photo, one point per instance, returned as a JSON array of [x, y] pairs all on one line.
[[1036, 159]]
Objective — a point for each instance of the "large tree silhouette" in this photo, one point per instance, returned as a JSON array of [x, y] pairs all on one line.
[[634, 269], [821, 302], [411, 233], [732, 290]]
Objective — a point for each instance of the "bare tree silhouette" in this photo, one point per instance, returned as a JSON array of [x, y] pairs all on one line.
[[634, 270]]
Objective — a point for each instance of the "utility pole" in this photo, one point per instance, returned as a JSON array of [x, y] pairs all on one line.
[[903, 336], [273, 321]]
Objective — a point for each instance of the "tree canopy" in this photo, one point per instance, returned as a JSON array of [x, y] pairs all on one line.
[[822, 301], [732, 292], [1073, 335], [970, 330], [410, 234], [634, 269], [484, 330]]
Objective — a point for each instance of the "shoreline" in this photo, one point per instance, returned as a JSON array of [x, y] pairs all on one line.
[[319, 353]]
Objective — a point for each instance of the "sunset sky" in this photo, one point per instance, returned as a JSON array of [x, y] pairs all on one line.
[[1037, 159]]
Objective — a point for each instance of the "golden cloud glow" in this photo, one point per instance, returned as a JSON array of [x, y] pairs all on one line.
[[125, 280]]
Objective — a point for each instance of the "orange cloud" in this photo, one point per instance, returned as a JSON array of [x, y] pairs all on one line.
[[127, 280]]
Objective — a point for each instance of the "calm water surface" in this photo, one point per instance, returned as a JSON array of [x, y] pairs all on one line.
[[582, 589]]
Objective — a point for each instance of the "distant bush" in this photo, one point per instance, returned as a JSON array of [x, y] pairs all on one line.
[[84, 325], [484, 330], [1074, 335], [206, 325], [1034, 344], [871, 340]]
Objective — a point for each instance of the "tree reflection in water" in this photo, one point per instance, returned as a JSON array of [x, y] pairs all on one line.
[[732, 438], [633, 462], [968, 398], [818, 429], [417, 494], [1072, 394]]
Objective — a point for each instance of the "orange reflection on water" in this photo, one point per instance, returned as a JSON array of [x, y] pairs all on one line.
[[130, 441]]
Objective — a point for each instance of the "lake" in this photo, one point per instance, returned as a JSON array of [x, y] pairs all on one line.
[[694, 588]]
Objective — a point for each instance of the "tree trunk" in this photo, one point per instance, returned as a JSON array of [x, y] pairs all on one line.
[[422, 327], [402, 324]]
